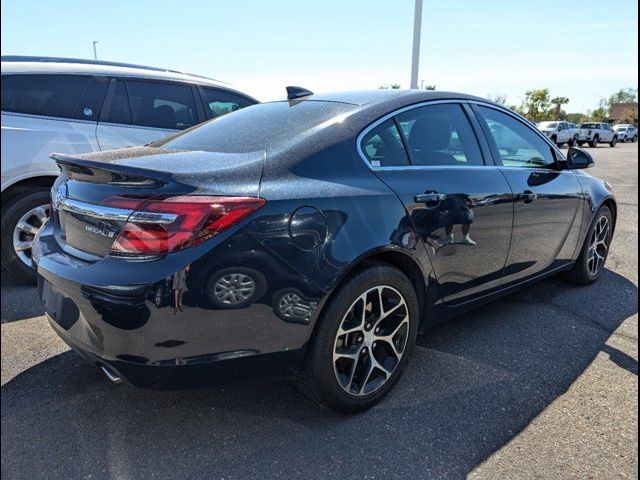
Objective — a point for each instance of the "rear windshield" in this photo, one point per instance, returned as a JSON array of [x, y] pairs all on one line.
[[259, 127], [590, 125], [548, 124]]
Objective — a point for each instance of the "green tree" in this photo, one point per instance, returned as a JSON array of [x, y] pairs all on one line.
[[557, 102], [600, 114], [576, 117], [536, 104], [624, 95], [429, 87]]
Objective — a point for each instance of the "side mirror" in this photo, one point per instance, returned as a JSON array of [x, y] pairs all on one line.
[[559, 128], [577, 158]]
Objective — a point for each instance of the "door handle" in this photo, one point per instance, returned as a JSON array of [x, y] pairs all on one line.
[[528, 196], [431, 199]]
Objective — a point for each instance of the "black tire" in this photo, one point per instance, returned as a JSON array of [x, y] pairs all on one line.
[[594, 143], [159, 297], [580, 273], [635, 139], [16, 207], [317, 378], [613, 142], [581, 144], [554, 139], [259, 283]]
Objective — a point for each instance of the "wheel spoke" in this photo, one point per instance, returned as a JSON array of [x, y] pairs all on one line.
[[389, 337], [22, 246], [27, 227], [42, 214]]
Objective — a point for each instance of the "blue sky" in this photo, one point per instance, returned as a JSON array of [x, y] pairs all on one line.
[[474, 46]]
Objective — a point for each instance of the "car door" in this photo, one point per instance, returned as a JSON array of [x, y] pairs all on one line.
[[547, 210], [461, 209], [608, 132], [45, 113], [566, 131], [137, 112]]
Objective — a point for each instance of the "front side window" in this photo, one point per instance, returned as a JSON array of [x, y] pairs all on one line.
[[383, 146], [220, 102], [440, 135], [49, 95], [516, 144], [162, 105]]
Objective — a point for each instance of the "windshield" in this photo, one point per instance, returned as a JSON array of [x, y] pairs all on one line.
[[259, 127], [621, 129], [548, 124]]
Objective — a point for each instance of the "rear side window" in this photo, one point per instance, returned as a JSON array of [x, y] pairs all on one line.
[[440, 135], [49, 95], [383, 146], [220, 102], [162, 105]]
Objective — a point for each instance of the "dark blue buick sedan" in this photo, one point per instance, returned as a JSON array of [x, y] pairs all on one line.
[[311, 238]]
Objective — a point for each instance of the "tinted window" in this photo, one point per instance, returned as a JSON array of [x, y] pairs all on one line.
[[91, 103], [118, 110], [162, 105], [219, 102], [517, 144], [440, 135], [383, 146], [51, 95], [258, 127]]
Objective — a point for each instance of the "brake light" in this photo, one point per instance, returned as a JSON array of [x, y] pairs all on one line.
[[169, 224]]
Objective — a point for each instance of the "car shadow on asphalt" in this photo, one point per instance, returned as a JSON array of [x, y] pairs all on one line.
[[472, 385]]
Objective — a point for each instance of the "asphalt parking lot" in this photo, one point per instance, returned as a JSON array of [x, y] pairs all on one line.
[[541, 384]]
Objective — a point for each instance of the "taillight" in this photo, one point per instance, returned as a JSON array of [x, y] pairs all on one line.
[[164, 225]]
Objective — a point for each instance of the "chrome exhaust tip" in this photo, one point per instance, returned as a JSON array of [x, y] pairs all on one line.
[[110, 374]]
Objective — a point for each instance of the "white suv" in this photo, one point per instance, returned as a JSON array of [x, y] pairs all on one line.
[[74, 106], [626, 132], [559, 132]]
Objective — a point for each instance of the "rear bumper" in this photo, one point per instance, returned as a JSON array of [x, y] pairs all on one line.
[[182, 374], [109, 312]]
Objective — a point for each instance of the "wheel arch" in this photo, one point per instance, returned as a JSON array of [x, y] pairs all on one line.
[[390, 255], [613, 206], [39, 181]]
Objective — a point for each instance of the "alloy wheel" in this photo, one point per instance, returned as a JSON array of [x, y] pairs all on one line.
[[370, 341], [25, 231], [598, 246], [234, 288]]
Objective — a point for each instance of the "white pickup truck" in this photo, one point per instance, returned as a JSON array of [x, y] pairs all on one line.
[[594, 133], [559, 132]]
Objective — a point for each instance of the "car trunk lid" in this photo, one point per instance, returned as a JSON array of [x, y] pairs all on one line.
[[98, 194]]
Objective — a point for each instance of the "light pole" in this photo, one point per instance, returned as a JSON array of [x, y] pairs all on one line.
[[95, 53], [415, 57]]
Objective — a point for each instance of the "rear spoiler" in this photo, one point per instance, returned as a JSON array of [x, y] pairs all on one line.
[[105, 172]]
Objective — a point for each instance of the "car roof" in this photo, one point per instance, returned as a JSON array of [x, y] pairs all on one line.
[[365, 97], [59, 65]]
